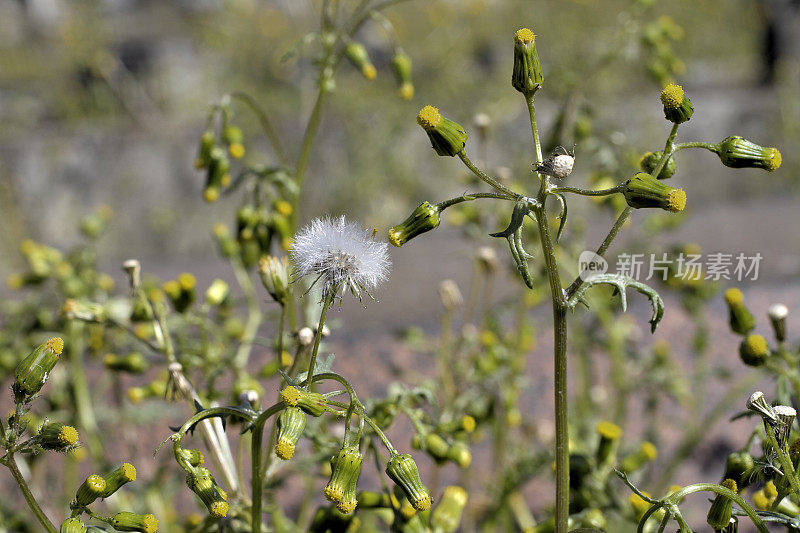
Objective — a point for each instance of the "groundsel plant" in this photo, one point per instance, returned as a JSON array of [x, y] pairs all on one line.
[[644, 190]]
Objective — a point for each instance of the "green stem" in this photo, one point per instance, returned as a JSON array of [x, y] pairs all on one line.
[[472, 196], [305, 149], [559, 340], [485, 177], [257, 481], [697, 144], [537, 144], [588, 192], [11, 463], [269, 131], [253, 315], [326, 304]]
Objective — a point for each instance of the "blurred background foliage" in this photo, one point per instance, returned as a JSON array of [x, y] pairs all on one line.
[[103, 101]]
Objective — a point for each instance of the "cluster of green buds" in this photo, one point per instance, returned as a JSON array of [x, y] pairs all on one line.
[[215, 149], [643, 190], [657, 37], [424, 218], [32, 372], [181, 291], [257, 227], [95, 487], [677, 106], [754, 349], [441, 450], [403, 471], [345, 471]]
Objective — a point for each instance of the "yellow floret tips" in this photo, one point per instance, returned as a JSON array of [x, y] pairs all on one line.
[[730, 485], [734, 296], [56, 344], [290, 395], [68, 436], [773, 159], [218, 509], [609, 430], [429, 117], [672, 96], [649, 450], [676, 201], [524, 36], [284, 450]]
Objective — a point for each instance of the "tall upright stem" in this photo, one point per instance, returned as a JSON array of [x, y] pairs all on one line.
[[11, 463], [559, 338]]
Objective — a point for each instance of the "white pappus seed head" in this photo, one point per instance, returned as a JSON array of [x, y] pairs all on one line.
[[342, 255]]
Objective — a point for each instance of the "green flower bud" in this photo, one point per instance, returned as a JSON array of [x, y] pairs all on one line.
[[677, 108], [738, 467], [647, 452], [739, 317], [403, 471], [126, 521], [346, 468], [116, 479], [274, 274], [233, 137], [189, 457], [447, 515], [610, 434], [424, 218], [643, 190], [447, 137], [371, 500], [228, 246], [32, 372], [94, 487], [720, 513], [72, 525], [312, 403], [737, 152], [217, 292], [459, 453], [754, 350], [291, 423], [201, 482], [218, 175], [401, 65], [359, 57], [181, 292], [777, 317], [592, 519], [57, 437], [527, 75], [434, 445], [204, 152], [650, 160], [133, 363]]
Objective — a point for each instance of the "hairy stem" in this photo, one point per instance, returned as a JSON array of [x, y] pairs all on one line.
[[11, 463]]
